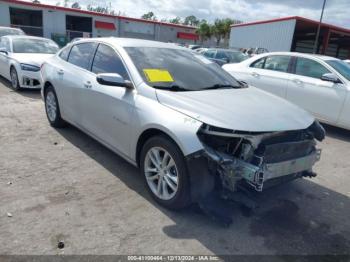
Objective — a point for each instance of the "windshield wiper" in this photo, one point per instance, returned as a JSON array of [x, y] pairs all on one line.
[[171, 87], [218, 86]]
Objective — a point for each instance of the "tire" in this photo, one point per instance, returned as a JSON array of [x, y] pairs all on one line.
[[175, 199], [52, 108], [14, 79]]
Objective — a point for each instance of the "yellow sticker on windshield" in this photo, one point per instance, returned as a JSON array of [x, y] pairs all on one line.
[[158, 75]]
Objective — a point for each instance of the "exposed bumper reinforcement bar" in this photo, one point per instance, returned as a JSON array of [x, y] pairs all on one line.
[[232, 169]]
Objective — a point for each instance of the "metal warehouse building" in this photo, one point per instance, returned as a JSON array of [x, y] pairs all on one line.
[[292, 34], [63, 24]]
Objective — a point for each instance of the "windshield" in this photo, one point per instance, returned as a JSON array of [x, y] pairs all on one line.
[[22, 45], [342, 67], [179, 70], [10, 31], [237, 56]]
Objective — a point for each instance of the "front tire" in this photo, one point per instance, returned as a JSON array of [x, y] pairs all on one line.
[[165, 172], [52, 108], [14, 79]]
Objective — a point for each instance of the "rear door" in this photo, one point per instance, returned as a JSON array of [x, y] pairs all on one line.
[[271, 74], [71, 76], [107, 111], [324, 99]]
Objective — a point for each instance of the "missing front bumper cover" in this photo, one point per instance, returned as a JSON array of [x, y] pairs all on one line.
[[233, 170]]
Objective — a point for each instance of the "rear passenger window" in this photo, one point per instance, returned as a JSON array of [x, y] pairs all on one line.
[[310, 68], [259, 63], [277, 63], [108, 61], [64, 53], [81, 55]]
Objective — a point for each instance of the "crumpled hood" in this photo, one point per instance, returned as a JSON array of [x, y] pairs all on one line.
[[31, 59], [245, 109]]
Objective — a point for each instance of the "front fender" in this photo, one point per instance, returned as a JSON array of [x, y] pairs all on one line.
[[150, 114]]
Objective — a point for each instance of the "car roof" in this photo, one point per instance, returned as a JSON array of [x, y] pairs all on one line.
[[321, 57], [26, 37], [131, 42], [6, 27]]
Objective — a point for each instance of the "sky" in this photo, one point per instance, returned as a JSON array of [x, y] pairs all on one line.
[[337, 12]]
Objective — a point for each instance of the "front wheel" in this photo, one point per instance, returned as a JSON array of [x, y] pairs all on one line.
[[164, 169], [14, 79], [52, 108]]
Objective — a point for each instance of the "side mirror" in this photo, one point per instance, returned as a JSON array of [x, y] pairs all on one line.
[[4, 51], [113, 79], [330, 77]]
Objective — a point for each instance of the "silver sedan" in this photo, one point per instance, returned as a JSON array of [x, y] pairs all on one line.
[[186, 123]]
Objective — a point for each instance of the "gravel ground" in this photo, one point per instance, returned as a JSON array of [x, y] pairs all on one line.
[[61, 185]]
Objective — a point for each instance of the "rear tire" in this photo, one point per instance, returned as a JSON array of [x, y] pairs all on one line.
[[164, 169], [52, 108], [14, 79]]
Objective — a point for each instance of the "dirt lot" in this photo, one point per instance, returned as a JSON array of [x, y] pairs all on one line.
[[65, 186]]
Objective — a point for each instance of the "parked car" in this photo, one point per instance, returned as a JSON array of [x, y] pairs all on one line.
[[21, 58], [319, 84], [201, 50], [224, 56], [180, 118], [10, 31], [194, 47], [347, 61], [256, 51]]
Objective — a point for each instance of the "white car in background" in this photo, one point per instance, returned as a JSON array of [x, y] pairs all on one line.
[[21, 58], [319, 84], [347, 61]]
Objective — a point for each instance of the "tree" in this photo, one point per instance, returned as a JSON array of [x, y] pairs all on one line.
[[100, 9], [191, 20], [218, 30], [76, 5], [149, 16], [36, 2], [66, 3], [176, 20], [204, 31]]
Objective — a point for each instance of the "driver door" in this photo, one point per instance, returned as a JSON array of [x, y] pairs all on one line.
[[108, 110]]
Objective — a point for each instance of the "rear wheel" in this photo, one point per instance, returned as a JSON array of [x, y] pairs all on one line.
[[14, 79], [164, 169], [52, 108]]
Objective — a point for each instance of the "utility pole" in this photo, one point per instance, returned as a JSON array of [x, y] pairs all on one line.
[[319, 28]]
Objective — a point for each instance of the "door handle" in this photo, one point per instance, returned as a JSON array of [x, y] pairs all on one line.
[[297, 81], [60, 72], [255, 74], [87, 84]]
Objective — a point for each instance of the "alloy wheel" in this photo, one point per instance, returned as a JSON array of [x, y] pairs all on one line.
[[161, 173], [51, 106]]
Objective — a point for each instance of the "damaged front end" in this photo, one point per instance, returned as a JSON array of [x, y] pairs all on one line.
[[257, 160]]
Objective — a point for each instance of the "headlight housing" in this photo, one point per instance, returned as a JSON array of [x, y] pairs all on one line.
[[32, 68]]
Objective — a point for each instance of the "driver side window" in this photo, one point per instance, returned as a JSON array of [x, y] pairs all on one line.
[[310, 68], [107, 61]]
